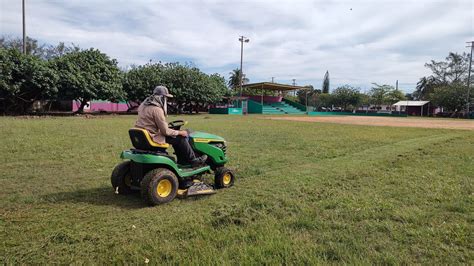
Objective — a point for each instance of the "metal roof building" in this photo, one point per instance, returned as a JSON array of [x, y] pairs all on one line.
[[411, 103], [415, 107]]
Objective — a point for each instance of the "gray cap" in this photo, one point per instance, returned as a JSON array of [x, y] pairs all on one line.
[[162, 90]]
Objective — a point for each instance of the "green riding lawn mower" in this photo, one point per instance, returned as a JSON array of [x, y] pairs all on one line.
[[149, 168]]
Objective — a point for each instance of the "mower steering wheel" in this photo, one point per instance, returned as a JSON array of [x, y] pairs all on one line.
[[177, 124]]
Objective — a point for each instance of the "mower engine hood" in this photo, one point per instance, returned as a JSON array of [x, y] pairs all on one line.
[[198, 136]]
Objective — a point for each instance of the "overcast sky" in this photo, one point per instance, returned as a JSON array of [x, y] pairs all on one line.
[[359, 42]]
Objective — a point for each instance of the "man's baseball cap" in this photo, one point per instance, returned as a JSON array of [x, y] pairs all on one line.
[[162, 90]]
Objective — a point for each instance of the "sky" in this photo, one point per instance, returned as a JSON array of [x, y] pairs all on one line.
[[358, 42]]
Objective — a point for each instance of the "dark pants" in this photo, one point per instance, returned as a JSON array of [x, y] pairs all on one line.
[[183, 149]]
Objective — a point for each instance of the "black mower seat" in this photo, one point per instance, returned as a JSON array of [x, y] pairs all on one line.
[[142, 140]]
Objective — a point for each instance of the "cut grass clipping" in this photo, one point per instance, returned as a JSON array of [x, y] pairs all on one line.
[[305, 193]]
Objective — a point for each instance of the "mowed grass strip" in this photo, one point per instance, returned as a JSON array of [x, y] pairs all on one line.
[[305, 193]]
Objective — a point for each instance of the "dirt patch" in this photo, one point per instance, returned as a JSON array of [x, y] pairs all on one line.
[[385, 121]]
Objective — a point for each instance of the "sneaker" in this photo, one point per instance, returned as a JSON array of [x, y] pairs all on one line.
[[199, 160]]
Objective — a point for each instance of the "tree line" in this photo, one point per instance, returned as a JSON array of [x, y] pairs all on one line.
[[348, 97], [60, 72], [445, 87], [66, 72]]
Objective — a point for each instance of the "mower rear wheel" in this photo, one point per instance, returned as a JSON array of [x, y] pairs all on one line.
[[159, 186], [121, 178], [224, 178]]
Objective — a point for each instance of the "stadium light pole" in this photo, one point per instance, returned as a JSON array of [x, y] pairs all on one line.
[[469, 79], [24, 30], [242, 39]]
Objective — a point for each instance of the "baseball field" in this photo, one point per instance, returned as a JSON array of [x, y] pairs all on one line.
[[307, 192]]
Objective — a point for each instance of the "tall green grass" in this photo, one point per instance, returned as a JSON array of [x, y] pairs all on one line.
[[305, 193]]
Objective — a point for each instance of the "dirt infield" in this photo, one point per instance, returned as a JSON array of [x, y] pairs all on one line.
[[386, 121]]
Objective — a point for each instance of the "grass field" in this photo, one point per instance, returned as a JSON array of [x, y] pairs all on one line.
[[305, 193]]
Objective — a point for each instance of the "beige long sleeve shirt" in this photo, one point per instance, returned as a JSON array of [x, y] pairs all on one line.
[[152, 118]]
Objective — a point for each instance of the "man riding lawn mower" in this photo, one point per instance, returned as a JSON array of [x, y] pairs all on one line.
[[157, 174]]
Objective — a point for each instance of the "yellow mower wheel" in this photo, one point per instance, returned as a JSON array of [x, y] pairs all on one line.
[[224, 178], [164, 188], [159, 186]]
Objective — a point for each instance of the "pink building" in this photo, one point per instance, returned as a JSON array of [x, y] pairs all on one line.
[[101, 106]]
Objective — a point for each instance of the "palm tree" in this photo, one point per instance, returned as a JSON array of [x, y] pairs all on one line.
[[234, 79], [424, 87]]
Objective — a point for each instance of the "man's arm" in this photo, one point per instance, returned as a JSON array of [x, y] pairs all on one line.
[[162, 125]]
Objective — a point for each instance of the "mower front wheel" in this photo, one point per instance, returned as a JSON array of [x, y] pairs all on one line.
[[159, 186], [121, 178], [224, 178]]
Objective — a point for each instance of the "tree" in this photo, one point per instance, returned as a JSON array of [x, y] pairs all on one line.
[[306, 93], [451, 97], [32, 46], [424, 87], [345, 96], [323, 100], [365, 100], [51, 51], [184, 83], [326, 83], [385, 94], [378, 94], [87, 75], [43, 51], [192, 88], [453, 70], [234, 79], [393, 96], [23, 80], [409, 96], [215, 90], [139, 81]]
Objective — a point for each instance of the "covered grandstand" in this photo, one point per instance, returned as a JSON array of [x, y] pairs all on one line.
[[265, 104]]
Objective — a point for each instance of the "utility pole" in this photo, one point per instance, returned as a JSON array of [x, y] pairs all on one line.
[[242, 39], [306, 94], [469, 78], [399, 107], [24, 31]]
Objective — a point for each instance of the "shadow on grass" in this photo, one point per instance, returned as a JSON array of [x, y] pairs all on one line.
[[101, 196]]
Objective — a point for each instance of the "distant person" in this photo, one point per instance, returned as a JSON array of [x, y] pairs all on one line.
[[151, 116]]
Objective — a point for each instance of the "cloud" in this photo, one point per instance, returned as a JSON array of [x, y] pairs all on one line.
[[359, 42]]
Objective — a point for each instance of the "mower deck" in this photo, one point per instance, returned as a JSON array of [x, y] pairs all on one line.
[[198, 188]]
